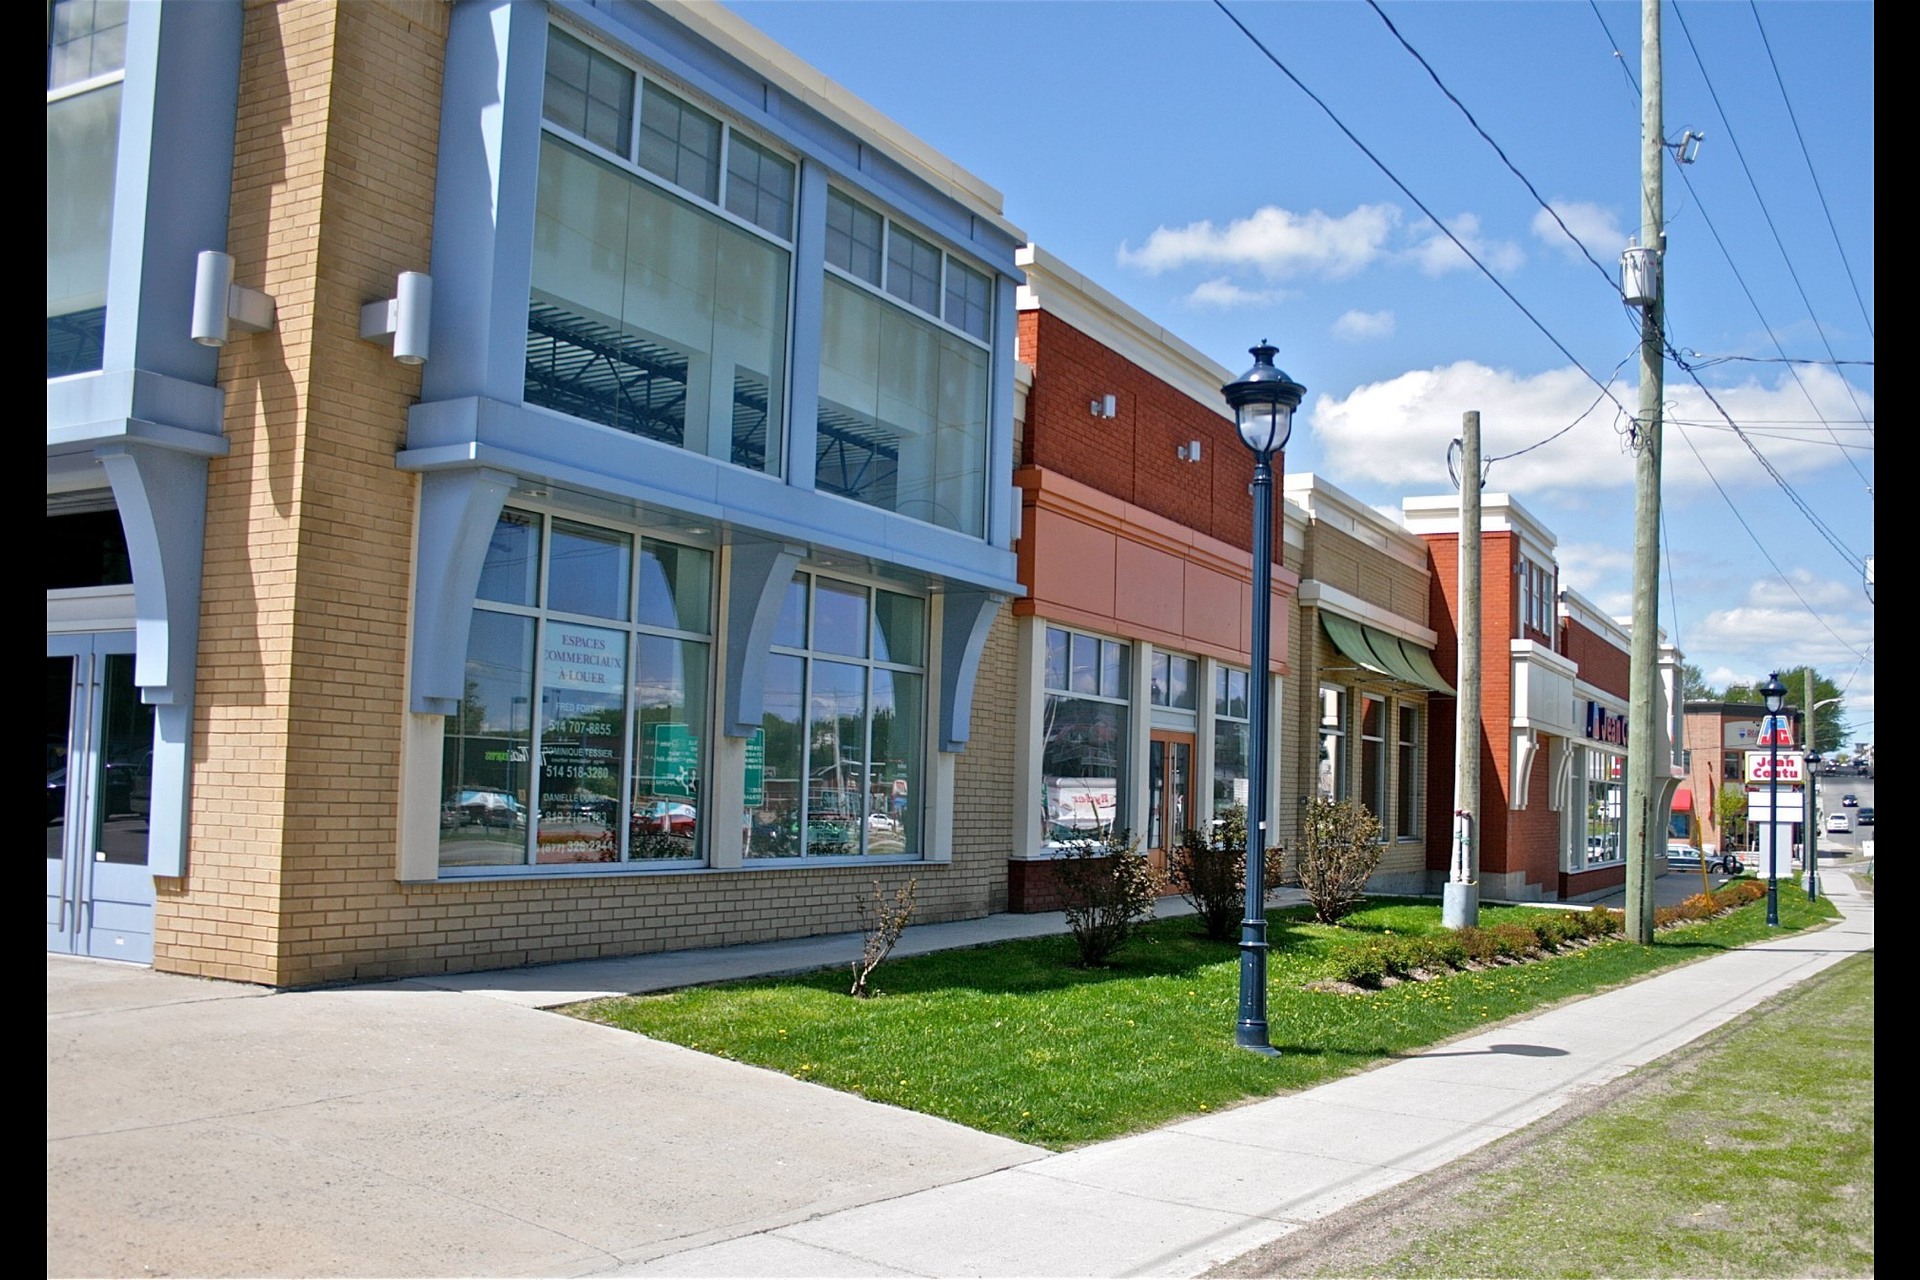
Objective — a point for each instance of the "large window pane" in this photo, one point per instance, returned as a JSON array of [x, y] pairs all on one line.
[[899, 629], [582, 743], [653, 316], [913, 271], [484, 765], [903, 412], [1083, 766], [1407, 811], [774, 814], [670, 708], [83, 141], [894, 793], [836, 759]]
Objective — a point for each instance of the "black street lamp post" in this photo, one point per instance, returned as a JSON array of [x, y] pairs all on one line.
[[1813, 819], [1263, 401], [1775, 695]]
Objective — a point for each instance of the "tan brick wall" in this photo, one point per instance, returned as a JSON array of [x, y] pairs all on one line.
[[303, 651], [1338, 559]]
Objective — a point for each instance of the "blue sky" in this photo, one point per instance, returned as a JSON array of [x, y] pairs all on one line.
[[1151, 145]]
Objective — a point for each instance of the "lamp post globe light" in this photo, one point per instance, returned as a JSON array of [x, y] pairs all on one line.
[[1774, 694], [1263, 400]]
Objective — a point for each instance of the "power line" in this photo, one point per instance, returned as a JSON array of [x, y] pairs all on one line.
[[1811, 172], [1420, 204], [1765, 212], [1605, 274], [1765, 554]]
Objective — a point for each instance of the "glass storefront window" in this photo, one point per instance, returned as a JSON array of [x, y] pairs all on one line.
[[1410, 776], [1605, 792], [1230, 739], [580, 741], [835, 770], [1373, 757], [1085, 742], [1331, 781]]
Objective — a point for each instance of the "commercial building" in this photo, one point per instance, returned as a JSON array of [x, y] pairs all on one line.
[[1553, 712], [1130, 639], [528, 482]]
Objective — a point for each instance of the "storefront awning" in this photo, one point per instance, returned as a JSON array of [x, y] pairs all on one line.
[[1387, 655], [1683, 800]]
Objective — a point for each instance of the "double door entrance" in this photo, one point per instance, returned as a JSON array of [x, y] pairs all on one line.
[[99, 795]]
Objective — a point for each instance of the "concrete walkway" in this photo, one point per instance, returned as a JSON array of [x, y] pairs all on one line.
[[450, 1127]]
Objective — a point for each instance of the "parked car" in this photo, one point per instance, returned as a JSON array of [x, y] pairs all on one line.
[[1849, 800], [1839, 823], [1865, 816]]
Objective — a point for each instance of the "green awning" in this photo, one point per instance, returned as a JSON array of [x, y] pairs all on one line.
[[1384, 654]]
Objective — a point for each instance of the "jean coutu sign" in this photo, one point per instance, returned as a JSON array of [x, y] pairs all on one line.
[[1793, 768], [1604, 725]]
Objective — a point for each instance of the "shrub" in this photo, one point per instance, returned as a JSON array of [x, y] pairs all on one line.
[[1477, 944], [1514, 941], [1110, 890], [1210, 872], [1598, 922], [1555, 930], [1339, 849], [882, 921], [1366, 965]]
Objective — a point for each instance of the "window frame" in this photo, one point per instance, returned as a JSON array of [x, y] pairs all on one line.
[[543, 618]]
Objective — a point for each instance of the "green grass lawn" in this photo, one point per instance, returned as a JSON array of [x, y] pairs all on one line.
[[1750, 1153], [1014, 1039]]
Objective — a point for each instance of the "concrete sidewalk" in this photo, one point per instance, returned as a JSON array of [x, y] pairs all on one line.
[[409, 1128]]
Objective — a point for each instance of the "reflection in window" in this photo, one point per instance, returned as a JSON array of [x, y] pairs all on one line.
[[1174, 681], [1373, 757], [591, 746], [654, 316], [1331, 781], [1230, 736], [1410, 776], [1084, 737], [835, 770]]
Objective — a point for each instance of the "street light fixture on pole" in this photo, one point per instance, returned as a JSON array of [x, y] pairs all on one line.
[[1775, 695], [1263, 401]]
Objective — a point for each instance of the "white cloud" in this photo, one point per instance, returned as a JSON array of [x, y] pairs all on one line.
[[1436, 255], [1276, 242], [1222, 293], [1361, 326], [1590, 223], [1396, 432]]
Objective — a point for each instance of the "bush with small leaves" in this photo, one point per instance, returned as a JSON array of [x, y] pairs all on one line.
[[1109, 888], [1209, 870], [1339, 849]]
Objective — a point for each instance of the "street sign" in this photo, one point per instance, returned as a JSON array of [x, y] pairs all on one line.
[[1793, 767]]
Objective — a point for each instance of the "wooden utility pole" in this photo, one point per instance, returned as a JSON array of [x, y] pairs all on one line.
[[1460, 899], [1643, 705]]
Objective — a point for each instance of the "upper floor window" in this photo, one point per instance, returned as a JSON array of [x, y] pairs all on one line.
[[904, 367], [86, 60], [662, 265]]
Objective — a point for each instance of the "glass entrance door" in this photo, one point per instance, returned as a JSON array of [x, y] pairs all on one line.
[[99, 796], [1169, 794]]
